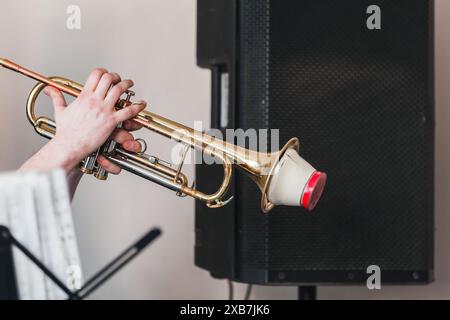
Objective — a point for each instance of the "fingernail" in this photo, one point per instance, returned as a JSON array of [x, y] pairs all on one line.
[[141, 102]]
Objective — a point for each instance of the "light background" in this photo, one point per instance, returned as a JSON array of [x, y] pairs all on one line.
[[153, 42]]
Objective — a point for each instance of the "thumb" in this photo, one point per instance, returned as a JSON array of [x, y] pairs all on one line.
[[59, 103]]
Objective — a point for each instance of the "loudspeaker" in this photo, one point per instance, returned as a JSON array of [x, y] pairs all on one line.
[[353, 79]]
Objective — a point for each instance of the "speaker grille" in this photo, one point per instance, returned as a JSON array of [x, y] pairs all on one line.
[[361, 102], [253, 112]]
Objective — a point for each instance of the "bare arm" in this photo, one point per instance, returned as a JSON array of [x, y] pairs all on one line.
[[53, 156], [73, 179]]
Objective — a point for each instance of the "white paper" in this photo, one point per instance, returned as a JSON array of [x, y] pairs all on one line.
[[35, 206]]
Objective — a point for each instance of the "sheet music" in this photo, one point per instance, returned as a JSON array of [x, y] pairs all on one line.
[[35, 206]]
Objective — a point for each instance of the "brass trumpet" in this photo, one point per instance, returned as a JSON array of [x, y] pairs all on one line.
[[283, 177]]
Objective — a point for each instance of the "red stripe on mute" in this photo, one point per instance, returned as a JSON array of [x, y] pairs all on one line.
[[310, 194]]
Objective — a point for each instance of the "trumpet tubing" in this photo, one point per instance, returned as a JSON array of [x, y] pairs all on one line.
[[283, 177]]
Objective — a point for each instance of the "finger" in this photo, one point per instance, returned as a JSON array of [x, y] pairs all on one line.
[[129, 112], [94, 79], [108, 165], [132, 126], [132, 146], [59, 103], [126, 140], [121, 135], [107, 80], [118, 90]]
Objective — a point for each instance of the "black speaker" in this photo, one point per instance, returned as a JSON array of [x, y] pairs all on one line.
[[353, 79]]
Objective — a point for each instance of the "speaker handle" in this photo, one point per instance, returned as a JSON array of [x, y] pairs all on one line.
[[216, 96]]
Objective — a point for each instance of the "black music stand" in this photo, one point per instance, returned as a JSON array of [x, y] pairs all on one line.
[[8, 287]]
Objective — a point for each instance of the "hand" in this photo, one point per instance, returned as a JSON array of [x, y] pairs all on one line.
[[84, 125]]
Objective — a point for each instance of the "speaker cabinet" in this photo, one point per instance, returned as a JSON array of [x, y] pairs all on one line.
[[353, 79]]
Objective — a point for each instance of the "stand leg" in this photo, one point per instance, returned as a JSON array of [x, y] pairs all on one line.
[[307, 293]]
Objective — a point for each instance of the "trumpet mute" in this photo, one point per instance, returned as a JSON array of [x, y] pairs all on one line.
[[295, 182]]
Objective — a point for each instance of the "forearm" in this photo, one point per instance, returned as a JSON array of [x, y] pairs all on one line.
[[52, 155], [55, 155], [73, 179]]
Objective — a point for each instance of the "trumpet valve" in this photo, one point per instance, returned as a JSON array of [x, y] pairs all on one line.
[[129, 94], [88, 164], [124, 102], [101, 174]]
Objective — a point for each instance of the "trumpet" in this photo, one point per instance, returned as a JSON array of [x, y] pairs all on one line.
[[283, 177]]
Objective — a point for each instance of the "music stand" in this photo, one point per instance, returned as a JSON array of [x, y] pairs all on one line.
[[8, 286]]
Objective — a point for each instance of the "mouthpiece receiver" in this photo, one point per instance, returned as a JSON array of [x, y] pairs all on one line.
[[9, 64], [2, 62], [295, 182]]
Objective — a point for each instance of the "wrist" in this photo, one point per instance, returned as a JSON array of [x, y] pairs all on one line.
[[53, 155], [62, 156]]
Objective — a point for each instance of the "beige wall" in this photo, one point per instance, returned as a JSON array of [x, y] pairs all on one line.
[[153, 42]]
